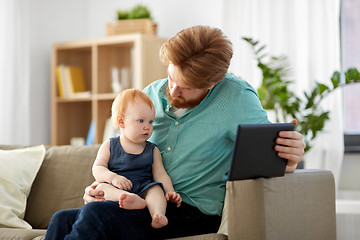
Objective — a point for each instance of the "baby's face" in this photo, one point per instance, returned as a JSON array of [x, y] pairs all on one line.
[[138, 121]]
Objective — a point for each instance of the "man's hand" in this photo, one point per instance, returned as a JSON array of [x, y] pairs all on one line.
[[92, 194], [292, 147], [173, 197]]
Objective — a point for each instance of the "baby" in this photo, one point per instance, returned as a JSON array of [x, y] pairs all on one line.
[[130, 168]]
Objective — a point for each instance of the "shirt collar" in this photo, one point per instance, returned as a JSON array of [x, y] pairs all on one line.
[[162, 92]]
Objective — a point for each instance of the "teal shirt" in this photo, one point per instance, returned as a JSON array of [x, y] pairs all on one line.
[[196, 148]]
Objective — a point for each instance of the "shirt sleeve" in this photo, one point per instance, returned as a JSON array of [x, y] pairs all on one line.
[[247, 110]]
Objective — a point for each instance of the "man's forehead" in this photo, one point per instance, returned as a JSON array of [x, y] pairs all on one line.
[[172, 74]]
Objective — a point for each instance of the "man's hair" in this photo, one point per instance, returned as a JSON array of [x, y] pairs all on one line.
[[123, 99], [201, 53]]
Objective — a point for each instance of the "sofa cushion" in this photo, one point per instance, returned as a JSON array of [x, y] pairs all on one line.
[[19, 169], [223, 229], [300, 205], [60, 183], [210, 236], [21, 234]]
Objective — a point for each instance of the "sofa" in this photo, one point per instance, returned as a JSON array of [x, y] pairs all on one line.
[[300, 205]]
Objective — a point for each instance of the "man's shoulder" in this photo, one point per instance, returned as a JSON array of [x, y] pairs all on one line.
[[234, 86], [233, 81]]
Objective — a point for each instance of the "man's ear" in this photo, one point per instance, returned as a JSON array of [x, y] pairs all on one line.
[[120, 121], [211, 86]]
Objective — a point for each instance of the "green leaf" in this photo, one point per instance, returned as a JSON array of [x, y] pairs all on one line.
[[262, 56], [260, 49], [139, 11], [352, 75], [322, 88], [122, 14], [335, 79], [249, 40], [311, 98]]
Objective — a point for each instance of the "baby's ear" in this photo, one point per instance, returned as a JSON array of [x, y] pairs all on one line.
[[120, 120]]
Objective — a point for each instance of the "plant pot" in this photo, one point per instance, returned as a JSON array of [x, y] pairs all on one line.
[[145, 26]]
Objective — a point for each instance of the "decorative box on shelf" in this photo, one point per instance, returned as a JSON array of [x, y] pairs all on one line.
[[145, 26]]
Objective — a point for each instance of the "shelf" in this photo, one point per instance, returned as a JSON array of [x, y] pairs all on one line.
[[135, 57], [79, 99], [105, 96]]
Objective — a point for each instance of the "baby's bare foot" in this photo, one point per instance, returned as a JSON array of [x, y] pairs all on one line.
[[131, 201], [159, 221]]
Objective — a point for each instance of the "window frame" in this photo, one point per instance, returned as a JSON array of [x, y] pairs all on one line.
[[351, 138], [352, 143]]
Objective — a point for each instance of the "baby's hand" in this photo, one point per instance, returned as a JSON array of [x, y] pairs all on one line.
[[121, 182], [173, 197]]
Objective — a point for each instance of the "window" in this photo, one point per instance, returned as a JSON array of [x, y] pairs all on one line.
[[350, 51]]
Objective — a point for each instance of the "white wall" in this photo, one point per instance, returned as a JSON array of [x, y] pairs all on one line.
[[50, 21], [349, 180]]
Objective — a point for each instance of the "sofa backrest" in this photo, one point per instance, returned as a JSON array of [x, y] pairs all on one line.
[[60, 182]]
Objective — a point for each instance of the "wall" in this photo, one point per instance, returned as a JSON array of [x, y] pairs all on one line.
[[349, 180], [51, 21]]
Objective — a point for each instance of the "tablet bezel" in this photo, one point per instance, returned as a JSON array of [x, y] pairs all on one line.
[[254, 155]]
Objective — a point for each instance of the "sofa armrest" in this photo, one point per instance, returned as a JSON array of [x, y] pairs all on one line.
[[300, 205]]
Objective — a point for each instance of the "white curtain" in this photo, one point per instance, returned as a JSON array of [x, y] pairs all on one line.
[[14, 73], [307, 31]]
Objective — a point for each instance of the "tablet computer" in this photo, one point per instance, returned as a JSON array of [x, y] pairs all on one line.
[[254, 155]]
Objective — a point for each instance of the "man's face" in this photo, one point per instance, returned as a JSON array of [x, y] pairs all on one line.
[[181, 96]]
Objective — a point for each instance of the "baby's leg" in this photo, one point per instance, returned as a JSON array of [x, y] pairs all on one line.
[[156, 203], [110, 192], [126, 200], [131, 201]]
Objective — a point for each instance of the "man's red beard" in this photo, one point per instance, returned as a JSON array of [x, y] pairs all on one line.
[[180, 102]]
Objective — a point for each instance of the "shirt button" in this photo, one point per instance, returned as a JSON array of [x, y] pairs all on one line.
[[176, 123], [169, 148]]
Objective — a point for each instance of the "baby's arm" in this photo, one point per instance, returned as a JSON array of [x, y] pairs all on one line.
[[103, 174], [160, 175]]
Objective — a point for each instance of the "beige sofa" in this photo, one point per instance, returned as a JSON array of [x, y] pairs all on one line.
[[300, 205]]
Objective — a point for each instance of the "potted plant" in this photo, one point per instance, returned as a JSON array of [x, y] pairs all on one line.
[[275, 94], [137, 19]]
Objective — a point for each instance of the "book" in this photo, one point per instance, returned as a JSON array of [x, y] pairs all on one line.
[[75, 78], [91, 134], [71, 82], [59, 82], [62, 82]]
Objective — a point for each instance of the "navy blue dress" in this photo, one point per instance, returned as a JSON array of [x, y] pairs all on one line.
[[135, 167]]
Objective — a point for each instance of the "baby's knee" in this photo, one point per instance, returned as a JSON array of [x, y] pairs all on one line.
[[101, 186]]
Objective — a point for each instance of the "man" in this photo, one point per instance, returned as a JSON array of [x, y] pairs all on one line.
[[198, 107]]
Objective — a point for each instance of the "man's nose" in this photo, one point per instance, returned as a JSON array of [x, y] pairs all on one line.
[[175, 91]]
